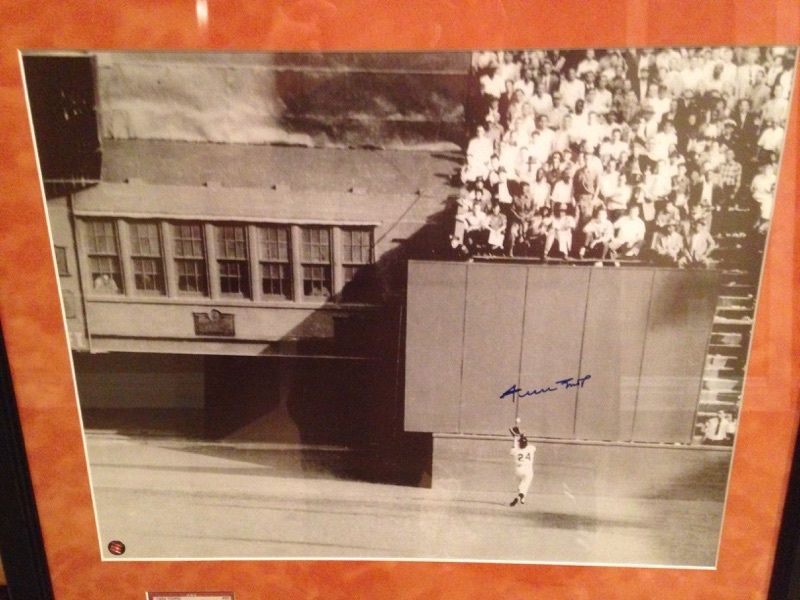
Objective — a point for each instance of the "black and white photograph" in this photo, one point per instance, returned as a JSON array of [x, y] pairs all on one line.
[[489, 306]]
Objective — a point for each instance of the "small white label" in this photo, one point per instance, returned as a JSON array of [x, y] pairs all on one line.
[[190, 595]]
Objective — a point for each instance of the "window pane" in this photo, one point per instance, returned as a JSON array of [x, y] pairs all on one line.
[[316, 245], [148, 275], [192, 276], [61, 260], [106, 277], [189, 241], [190, 258], [347, 246], [102, 237], [145, 239], [317, 281], [275, 280], [234, 278], [357, 246], [103, 259], [275, 244], [232, 242]]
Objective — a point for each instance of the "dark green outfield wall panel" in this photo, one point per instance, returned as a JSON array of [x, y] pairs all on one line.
[[554, 316], [678, 328], [613, 343], [492, 341], [435, 337]]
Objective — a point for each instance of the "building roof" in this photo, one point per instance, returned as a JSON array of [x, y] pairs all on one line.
[[335, 170], [398, 191]]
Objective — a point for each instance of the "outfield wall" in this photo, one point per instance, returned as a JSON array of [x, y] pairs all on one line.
[[476, 329]]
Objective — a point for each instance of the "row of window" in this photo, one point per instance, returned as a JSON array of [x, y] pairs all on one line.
[[233, 246]]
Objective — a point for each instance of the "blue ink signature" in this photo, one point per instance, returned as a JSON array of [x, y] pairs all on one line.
[[565, 384]]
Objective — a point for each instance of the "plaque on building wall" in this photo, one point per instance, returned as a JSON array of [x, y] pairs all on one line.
[[214, 323]]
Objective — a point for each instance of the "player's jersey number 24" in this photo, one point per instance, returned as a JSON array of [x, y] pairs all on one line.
[[523, 458]]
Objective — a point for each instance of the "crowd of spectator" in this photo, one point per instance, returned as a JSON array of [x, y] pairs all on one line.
[[621, 154]]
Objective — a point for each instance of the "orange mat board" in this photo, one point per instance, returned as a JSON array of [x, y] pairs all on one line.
[[38, 352]]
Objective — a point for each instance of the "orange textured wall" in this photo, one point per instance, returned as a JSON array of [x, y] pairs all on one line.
[[38, 351]]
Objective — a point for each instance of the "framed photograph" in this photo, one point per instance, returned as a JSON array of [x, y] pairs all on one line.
[[373, 301]]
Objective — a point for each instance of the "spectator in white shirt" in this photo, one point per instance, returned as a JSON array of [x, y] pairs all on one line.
[[562, 192], [771, 139], [484, 60], [719, 429], [609, 181], [476, 228], [572, 89], [651, 99], [746, 73], [648, 125], [558, 112], [588, 64], [759, 93], [692, 74], [575, 129], [629, 234], [603, 98], [539, 148], [619, 202], [526, 84], [699, 246], [660, 184], [597, 235], [777, 107], [661, 143], [540, 190], [493, 84], [783, 81], [547, 134], [509, 68], [728, 68], [509, 153], [559, 232], [561, 136], [614, 147], [595, 131], [479, 153], [580, 116], [763, 191], [667, 246], [593, 162], [542, 101], [525, 123]]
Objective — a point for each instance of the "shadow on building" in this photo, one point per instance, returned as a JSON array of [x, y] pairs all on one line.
[[331, 406]]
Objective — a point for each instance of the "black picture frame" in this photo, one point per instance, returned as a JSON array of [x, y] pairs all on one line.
[[21, 544], [786, 568]]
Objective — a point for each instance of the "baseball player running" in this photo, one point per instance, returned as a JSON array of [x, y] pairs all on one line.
[[522, 454]]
